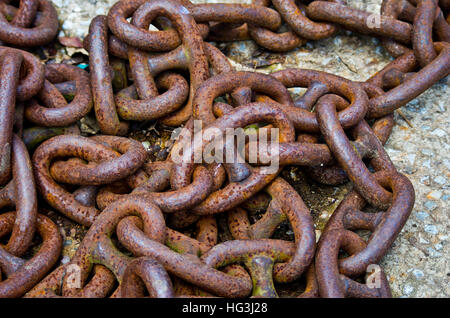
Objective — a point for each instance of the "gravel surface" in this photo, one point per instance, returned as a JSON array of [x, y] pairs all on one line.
[[417, 265]]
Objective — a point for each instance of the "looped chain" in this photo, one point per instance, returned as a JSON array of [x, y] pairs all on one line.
[[195, 224]]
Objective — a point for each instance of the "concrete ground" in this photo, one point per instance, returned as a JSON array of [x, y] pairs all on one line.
[[417, 265]]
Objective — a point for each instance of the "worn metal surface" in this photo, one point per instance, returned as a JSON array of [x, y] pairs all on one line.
[[262, 256]]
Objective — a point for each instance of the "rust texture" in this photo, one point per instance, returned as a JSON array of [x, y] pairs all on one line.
[[200, 228]]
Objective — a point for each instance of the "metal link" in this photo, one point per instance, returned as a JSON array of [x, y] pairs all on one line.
[[43, 33], [59, 112], [166, 214]]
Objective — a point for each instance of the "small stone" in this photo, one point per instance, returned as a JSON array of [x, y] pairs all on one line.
[[67, 242], [427, 164], [65, 260], [425, 180], [408, 289], [409, 170], [447, 163], [438, 132], [433, 253], [438, 246], [337, 40], [441, 106], [300, 54], [318, 234], [67, 25], [427, 152], [430, 205], [324, 215], [297, 90], [146, 145], [431, 229], [393, 153], [434, 195], [446, 146], [421, 215], [58, 3], [418, 273], [326, 61], [100, 11], [440, 180], [411, 158]]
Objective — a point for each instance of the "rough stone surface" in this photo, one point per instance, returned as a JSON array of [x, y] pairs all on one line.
[[417, 265]]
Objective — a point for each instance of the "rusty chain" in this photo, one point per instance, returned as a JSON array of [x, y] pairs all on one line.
[[168, 215]]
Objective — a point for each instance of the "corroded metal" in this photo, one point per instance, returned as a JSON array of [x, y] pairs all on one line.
[[18, 34], [166, 214], [59, 112]]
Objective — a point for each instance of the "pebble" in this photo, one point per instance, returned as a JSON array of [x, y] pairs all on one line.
[[67, 242], [326, 61], [446, 146], [440, 180], [146, 145], [65, 260], [427, 152], [101, 11], [337, 40], [430, 205], [431, 229], [442, 107], [411, 158], [67, 25], [438, 246], [318, 234], [425, 180], [421, 215], [447, 163], [408, 289], [418, 273], [433, 253], [378, 50], [438, 132], [393, 153], [434, 195], [324, 215]]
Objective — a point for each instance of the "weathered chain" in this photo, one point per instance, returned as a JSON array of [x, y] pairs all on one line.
[[335, 132]]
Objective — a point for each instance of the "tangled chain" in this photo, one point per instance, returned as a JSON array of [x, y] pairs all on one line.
[[137, 210]]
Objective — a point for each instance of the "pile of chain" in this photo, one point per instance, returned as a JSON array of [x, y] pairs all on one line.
[[137, 210]]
